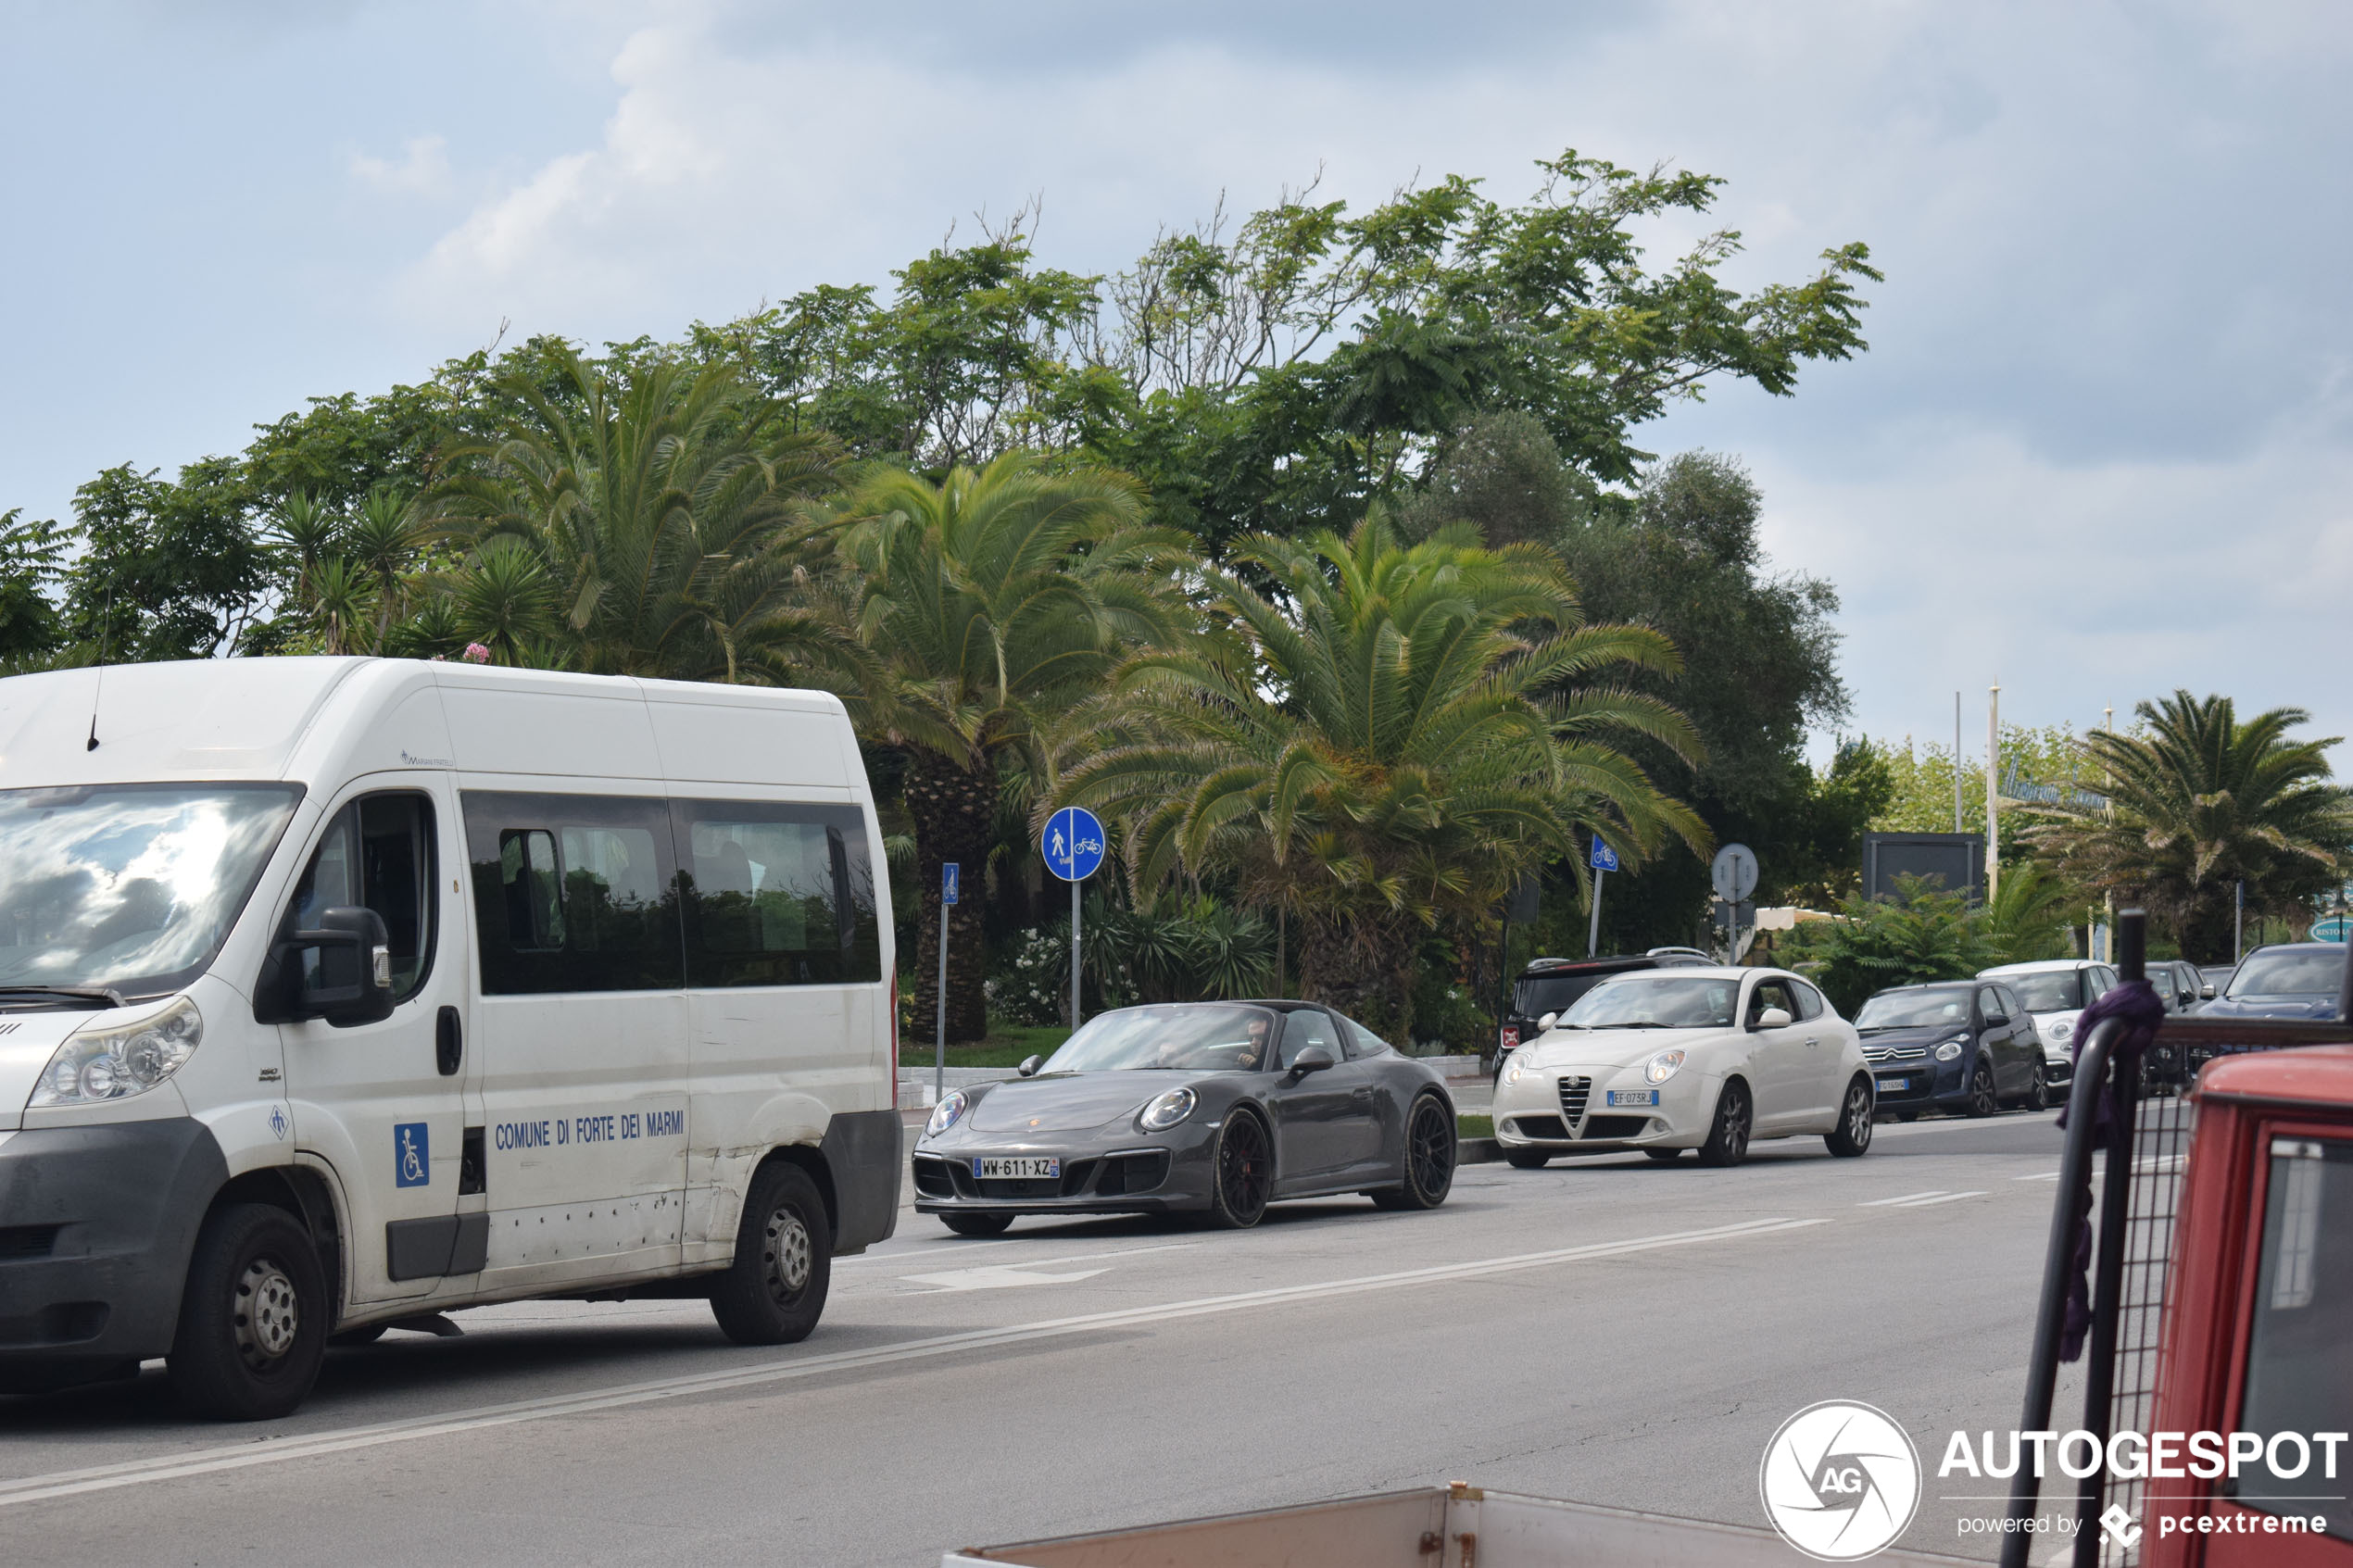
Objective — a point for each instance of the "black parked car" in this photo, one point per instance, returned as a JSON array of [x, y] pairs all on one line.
[[1549, 985], [1966, 1045], [1219, 1108], [2179, 984]]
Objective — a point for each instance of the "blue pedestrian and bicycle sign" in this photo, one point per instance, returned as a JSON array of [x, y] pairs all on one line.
[[1603, 859], [1072, 843], [948, 879]]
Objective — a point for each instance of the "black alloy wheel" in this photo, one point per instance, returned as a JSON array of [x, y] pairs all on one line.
[[1243, 1174], [1726, 1142], [1982, 1101], [2038, 1088], [1429, 1158], [1852, 1137]]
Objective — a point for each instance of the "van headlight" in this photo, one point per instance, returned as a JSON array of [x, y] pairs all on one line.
[[1167, 1111], [944, 1115], [1663, 1066], [1951, 1047], [98, 1064]]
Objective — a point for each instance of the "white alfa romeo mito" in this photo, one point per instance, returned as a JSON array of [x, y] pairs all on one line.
[[1669, 1059]]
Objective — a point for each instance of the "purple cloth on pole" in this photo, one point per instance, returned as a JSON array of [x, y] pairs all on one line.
[[2134, 1004]]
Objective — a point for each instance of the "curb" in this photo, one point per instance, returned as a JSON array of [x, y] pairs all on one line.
[[1478, 1151]]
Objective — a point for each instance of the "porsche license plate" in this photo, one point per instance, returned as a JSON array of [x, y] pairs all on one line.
[[1633, 1096], [1019, 1168], [1887, 1083]]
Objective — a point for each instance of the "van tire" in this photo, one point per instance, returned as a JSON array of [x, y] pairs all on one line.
[[253, 1318], [775, 1290]]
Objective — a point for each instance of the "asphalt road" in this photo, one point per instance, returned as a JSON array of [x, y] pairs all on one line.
[[1614, 1331]]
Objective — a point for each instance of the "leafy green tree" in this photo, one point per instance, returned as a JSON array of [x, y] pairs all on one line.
[[987, 606], [1379, 743], [1922, 934], [667, 511], [2199, 802], [32, 556], [167, 568]]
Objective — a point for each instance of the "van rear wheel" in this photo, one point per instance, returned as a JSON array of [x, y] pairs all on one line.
[[253, 1317], [775, 1290]]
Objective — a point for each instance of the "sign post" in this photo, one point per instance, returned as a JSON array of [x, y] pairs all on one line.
[[1734, 874], [1603, 861], [1073, 845], [948, 877]]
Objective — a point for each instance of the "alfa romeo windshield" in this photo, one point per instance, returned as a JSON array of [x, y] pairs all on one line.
[[1652, 1001], [1915, 1010], [131, 887], [1199, 1039]]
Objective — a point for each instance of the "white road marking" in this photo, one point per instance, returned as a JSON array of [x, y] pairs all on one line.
[[1931, 1198], [997, 1276], [2039, 1176], [958, 1248], [1907, 1198], [206, 1461]]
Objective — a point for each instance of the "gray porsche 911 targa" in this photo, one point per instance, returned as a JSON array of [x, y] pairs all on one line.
[[1218, 1107]]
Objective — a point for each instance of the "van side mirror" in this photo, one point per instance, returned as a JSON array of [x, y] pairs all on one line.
[[1315, 1058], [351, 983], [1029, 1066], [1772, 1018]]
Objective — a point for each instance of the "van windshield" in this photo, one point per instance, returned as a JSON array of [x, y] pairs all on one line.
[[132, 886]]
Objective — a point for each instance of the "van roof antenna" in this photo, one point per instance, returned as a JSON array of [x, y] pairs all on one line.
[[101, 685]]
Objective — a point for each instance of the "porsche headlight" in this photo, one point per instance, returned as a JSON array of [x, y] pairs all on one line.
[[1663, 1066], [1952, 1048], [1167, 1111], [97, 1064], [945, 1115]]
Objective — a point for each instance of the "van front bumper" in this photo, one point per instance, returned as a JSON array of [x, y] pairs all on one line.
[[97, 1224]]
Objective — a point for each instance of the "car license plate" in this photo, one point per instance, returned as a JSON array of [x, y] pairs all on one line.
[[1019, 1168], [1633, 1096], [1886, 1084]]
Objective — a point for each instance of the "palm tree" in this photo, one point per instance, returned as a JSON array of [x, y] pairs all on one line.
[[384, 541], [987, 603], [668, 511], [2200, 802], [1381, 743]]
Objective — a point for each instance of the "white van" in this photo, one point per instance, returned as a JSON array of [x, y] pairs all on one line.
[[340, 991]]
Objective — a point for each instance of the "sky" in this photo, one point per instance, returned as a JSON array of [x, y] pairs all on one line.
[[2099, 448]]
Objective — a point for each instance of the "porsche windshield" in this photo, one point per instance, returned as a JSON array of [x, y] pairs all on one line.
[[1193, 1038], [1655, 1001], [128, 886]]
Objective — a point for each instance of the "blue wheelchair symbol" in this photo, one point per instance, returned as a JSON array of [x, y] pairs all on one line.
[[412, 1161]]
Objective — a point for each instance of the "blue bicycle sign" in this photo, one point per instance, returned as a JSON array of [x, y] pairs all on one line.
[[1072, 843]]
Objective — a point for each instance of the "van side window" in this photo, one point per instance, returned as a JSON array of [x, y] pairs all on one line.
[[376, 853], [776, 893], [572, 893]]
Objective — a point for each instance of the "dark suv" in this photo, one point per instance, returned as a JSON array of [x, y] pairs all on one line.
[[1550, 985]]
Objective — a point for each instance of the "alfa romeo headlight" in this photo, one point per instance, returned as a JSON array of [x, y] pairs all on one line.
[[1167, 1111], [1663, 1066], [944, 1115], [1512, 1073], [1950, 1049], [97, 1064]]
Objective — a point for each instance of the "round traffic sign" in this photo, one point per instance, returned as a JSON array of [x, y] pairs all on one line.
[[1734, 873], [1072, 843]]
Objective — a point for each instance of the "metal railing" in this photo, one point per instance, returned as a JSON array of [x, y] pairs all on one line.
[[2144, 1149]]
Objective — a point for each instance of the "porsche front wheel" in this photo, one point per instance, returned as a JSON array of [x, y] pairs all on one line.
[[1241, 1172]]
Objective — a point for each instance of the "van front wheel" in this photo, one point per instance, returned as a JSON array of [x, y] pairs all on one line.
[[775, 1290], [253, 1319]]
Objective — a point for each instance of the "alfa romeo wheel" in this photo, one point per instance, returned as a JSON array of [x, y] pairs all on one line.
[[775, 1290], [1526, 1159], [1242, 1171], [1726, 1142], [253, 1318], [1852, 1137]]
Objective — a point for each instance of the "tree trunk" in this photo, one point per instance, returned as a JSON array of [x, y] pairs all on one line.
[[951, 808], [1362, 966]]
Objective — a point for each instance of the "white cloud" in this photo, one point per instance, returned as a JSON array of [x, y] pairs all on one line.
[[422, 169]]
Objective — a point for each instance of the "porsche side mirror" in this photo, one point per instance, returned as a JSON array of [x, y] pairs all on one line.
[[1773, 1018], [1029, 1066], [1315, 1058], [1547, 1022]]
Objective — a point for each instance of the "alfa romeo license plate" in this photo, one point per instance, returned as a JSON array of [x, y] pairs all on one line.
[[1019, 1168], [1887, 1083], [1633, 1096]]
